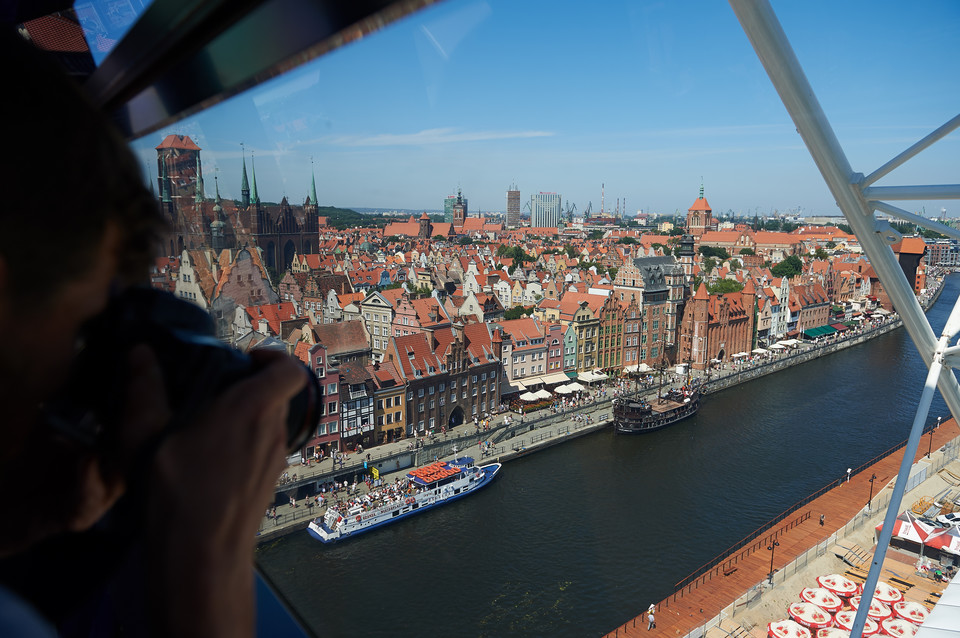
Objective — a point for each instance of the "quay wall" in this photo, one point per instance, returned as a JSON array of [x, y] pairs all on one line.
[[525, 434]]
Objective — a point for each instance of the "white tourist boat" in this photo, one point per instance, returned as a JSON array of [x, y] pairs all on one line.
[[423, 488]]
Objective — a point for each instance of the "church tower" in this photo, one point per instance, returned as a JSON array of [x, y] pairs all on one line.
[[699, 216], [459, 211]]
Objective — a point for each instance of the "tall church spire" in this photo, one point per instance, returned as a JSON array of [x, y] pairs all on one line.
[[313, 186], [253, 167], [244, 184]]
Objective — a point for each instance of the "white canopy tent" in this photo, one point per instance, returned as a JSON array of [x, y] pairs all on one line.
[[760, 351]]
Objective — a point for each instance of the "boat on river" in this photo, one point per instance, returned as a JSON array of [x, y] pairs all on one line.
[[634, 415], [422, 489]]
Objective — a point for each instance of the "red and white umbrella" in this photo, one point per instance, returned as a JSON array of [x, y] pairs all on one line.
[[822, 598], [878, 611], [844, 620], [809, 615], [907, 527], [909, 610], [887, 593], [898, 628], [839, 585], [787, 629], [947, 539], [832, 632]]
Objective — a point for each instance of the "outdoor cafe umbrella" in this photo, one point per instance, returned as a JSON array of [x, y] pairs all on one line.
[[832, 632], [787, 629], [887, 593], [528, 396], [844, 620], [563, 389], [543, 394], [576, 387], [809, 615], [822, 598], [898, 628], [878, 611], [909, 610], [839, 585]]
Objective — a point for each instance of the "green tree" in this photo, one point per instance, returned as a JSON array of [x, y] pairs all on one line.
[[627, 240], [465, 241], [747, 251], [595, 235], [723, 286], [518, 312], [789, 267], [714, 251], [831, 245], [709, 264], [821, 254]]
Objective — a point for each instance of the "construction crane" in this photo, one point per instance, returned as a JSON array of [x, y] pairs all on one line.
[[570, 211], [589, 210]]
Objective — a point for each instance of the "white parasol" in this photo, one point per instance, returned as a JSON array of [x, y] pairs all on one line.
[[839, 585], [898, 627], [887, 593], [563, 389], [878, 611], [909, 610], [528, 396], [809, 615], [822, 598], [844, 620], [543, 394], [787, 629]]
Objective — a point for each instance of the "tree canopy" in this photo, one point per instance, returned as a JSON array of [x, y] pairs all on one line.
[[714, 251], [789, 267], [723, 286]]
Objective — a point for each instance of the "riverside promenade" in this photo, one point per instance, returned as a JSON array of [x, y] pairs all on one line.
[[511, 436], [723, 597]]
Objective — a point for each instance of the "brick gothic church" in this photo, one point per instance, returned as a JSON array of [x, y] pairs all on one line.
[[279, 230]]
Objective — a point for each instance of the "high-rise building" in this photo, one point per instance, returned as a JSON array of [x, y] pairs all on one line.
[[513, 207], [545, 210]]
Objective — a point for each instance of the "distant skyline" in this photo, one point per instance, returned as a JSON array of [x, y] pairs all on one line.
[[647, 98]]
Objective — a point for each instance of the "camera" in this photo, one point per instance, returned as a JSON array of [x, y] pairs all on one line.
[[195, 365]]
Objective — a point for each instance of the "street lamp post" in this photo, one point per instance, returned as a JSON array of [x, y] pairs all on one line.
[[930, 443], [870, 498], [772, 547]]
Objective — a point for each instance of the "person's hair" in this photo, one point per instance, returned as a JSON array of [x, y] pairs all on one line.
[[68, 173]]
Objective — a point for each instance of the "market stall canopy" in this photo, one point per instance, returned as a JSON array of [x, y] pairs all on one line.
[[760, 351], [947, 539], [908, 527], [740, 355], [776, 346]]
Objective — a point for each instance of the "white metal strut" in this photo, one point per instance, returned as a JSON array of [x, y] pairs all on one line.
[[858, 200]]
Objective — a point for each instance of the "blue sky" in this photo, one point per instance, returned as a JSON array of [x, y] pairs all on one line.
[[563, 96]]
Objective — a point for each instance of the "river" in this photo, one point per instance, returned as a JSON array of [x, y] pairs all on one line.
[[579, 538]]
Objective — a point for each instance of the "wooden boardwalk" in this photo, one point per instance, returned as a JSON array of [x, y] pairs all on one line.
[[684, 611]]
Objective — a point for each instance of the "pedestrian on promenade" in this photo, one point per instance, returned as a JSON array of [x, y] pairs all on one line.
[[651, 620], [821, 520]]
